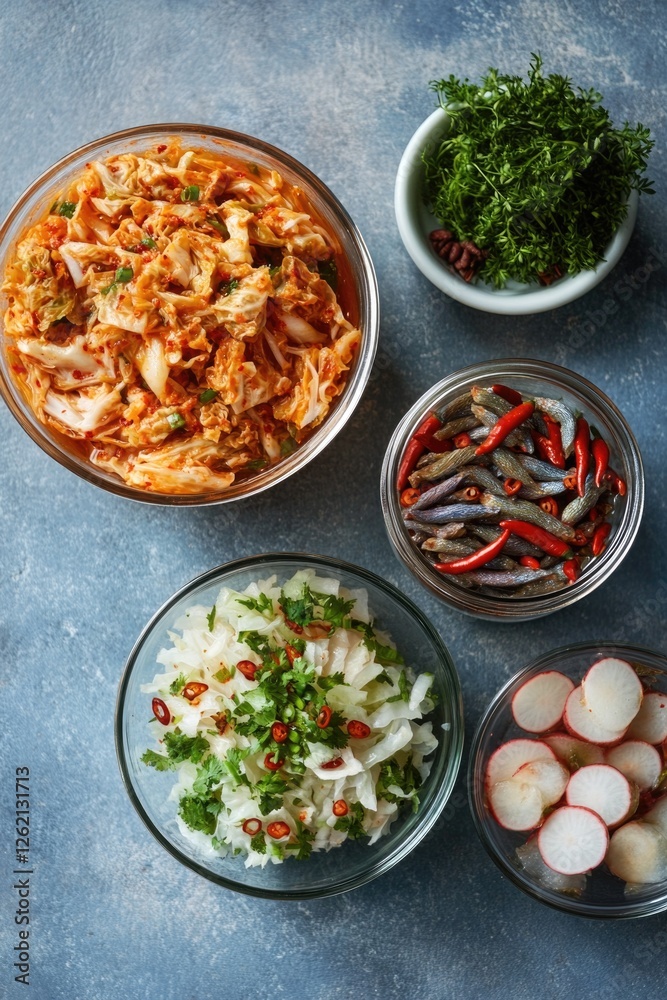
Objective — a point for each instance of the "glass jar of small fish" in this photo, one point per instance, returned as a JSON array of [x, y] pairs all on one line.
[[512, 489]]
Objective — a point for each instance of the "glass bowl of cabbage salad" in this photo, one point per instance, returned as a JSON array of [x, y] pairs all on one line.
[[289, 726]]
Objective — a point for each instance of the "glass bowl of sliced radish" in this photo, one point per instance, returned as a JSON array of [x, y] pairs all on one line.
[[568, 780]]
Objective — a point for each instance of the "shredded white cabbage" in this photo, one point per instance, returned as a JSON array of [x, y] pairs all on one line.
[[291, 724]]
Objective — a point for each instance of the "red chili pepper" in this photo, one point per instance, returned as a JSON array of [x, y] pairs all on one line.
[[570, 482], [340, 808], [193, 689], [510, 395], [538, 536], [252, 827], [512, 486], [279, 732], [475, 559], [530, 562], [544, 447], [432, 443], [292, 654], [297, 629], [247, 668], [572, 570], [579, 539], [358, 730], [504, 426], [462, 440], [331, 765], [582, 454], [414, 450], [594, 513], [410, 496], [324, 718], [278, 830], [600, 453], [471, 493], [549, 506], [272, 765], [617, 484], [600, 538], [160, 711], [555, 440], [427, 427]]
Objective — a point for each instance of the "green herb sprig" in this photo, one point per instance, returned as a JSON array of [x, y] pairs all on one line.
[[532, 172]]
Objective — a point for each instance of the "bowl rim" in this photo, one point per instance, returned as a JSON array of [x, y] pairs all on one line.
[[407, 205], [456, 731], [521, 609], [366, 291], [561, 902]]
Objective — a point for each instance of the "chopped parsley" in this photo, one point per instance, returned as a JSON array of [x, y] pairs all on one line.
[[405, 777], [263, 604], [179, 749], [258, 843], [200, 812], [177, 686], [121, 277], [227, 287], [352, 823], [304, 842], [67, 209], [404, 688]]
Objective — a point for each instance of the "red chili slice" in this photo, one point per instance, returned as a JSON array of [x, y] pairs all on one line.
[[324, 718], [358, 730], [297, 629], [247, 668], [292, 654], [462, 440], [278, 830], [572, 570], [331, 765], [512, 486], [272, 765], [252, 827], [410, 496], [340, 808], [279, 732], [600, 538], [160, 711], [549, 506], [530, 562], [193, 689]]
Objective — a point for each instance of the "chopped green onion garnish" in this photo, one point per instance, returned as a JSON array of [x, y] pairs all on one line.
[[220, 226], [329, 271], [207, 396], [176, 421], [227, 287], [148, 242], [190, 193], [67, 209], [287, 446], [257, 463], [123, 275]]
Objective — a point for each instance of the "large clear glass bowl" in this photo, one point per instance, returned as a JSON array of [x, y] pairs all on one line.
[[354, 862], [356, 273], [532, 378], [604, 895]]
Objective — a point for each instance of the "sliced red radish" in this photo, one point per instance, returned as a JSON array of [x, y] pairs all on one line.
[[658, 814], [574, 753], [516, 805], [550, 777], [605, 790], [531, 860], [638, 761], [638, 853], [612, 692], [538, 704], [573, 840], [650, 722], [509, 757], [580, 722]]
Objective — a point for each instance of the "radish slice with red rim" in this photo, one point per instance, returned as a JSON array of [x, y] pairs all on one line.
[[638, 761], [638, 853], [605, 790], [509, 757], [650, 722], [550, 778], [538, 705], [516, 805], [574, 753], [580, 722], [573, 840], [612, 692]]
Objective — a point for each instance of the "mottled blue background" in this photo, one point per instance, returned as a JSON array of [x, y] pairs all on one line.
[[341, 86]]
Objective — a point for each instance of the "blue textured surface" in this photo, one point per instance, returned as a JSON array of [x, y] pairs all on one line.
[[342, 87]]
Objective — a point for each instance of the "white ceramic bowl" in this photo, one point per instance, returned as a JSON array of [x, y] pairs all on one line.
[[415, 222]]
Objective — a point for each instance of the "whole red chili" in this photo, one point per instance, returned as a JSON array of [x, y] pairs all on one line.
[[279, 732], [549, 506], [324, 718], [530, 562], [358, 730], [413, 451], [538, 536], [600, 453], [410, 496], [476, 559], [512, 486], [510, 395], [193, 689], [504, 426], [340, 808], [545, 449], [462, 440], [555, 440], [600, 538], [572, 570], [278, 830], [272, 765], [247, 668], [425, 434], [331, 765], [252, 827], [582, 453], [160, 711], [617, 484], [594, 513]]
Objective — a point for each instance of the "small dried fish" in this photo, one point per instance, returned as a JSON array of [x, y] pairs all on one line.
[[453, 512], [563, 415], [510, 466], [504, 578], [580, 506], [535, 491], [524, 510], [519, 437], [514, 546], [439, 492], [445, 463], [457, 408], [458, 426], [543, 470]]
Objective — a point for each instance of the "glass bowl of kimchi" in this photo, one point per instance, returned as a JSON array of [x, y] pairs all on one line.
[[189, 314], [307, 726]]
